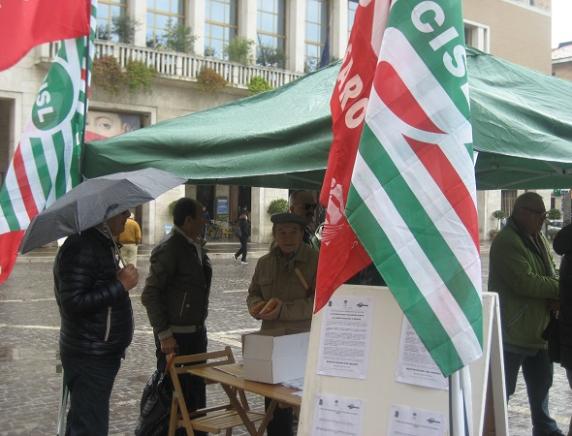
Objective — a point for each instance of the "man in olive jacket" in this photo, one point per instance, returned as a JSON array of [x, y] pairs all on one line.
[[176, 294], [522, 273]]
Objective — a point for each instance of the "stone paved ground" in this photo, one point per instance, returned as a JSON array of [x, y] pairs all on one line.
[[29, 320]]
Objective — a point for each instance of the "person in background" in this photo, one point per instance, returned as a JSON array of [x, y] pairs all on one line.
[[281, 292], [207, 219], [129, 239], [522, 272], [92, 292], [563, 246], [302, 203], [176, 295], [243, 233]]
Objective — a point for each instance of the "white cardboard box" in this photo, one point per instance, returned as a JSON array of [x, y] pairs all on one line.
[[274, 356]]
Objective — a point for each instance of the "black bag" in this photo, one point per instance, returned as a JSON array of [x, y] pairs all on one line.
[[155, 406], [552, 335]]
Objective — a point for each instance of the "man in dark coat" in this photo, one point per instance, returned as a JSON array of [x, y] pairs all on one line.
[[243, 233], [176, 294], [563, 246], [92, 292]]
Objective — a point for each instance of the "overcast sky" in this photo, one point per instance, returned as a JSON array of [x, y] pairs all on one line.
[[561, 21]]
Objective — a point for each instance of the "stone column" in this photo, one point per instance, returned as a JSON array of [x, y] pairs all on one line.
[[137, 10], [259, 218], [247, 19], [295, 33], [195, 19], [338, 28]]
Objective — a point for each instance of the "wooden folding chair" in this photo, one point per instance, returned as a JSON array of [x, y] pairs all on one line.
[[210, 419]]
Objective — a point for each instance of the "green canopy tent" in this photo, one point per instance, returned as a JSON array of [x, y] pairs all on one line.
[[522, 129]]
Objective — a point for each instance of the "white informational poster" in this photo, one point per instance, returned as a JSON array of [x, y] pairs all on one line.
[[345, 337], [410, 421], [337, 415], [415, 365]]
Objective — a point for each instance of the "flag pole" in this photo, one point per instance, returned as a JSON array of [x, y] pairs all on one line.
[[92, 27]]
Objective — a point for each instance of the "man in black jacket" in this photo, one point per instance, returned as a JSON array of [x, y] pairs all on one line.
[[176, 294], [92, 292], [563, 246]]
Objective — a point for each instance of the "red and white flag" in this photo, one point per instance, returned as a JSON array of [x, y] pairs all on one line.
[[46, 162], [341, 254], [25, 24]]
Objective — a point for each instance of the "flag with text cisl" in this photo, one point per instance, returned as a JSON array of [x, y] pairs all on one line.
[[341, 255], [26, 24], [46, 162], [412, 199]]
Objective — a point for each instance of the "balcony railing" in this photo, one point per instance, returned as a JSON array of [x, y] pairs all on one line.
[[181, 66]]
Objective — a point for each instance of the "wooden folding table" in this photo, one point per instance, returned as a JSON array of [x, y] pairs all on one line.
[[231, 380]]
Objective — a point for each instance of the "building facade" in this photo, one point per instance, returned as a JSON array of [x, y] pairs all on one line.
[[275, 41]]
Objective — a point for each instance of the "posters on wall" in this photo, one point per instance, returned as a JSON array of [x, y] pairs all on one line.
[[415, 365], [345, 337], [101, 125], [337, 415]]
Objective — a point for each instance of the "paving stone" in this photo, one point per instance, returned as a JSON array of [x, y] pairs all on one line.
[[29, 328]]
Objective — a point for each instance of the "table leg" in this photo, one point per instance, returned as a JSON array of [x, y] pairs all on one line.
[[240, 410], [268, 417]]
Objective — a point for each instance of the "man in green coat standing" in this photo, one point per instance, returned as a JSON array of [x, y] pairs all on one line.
[[522, 273]]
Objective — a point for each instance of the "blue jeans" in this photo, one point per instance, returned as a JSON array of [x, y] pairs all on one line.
[[537, 371], [90, 380]]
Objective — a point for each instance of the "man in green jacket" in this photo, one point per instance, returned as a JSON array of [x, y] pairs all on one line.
[[176, 294], [522, 273]]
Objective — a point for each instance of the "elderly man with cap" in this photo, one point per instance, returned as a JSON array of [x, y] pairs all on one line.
[[522, 273], [281, 293]]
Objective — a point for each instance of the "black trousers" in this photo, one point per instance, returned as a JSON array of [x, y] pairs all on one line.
[[90, 381], [193, 387], [282, 423], [243, 249]]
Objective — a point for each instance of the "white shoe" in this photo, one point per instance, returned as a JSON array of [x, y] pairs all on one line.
[[244, 262]]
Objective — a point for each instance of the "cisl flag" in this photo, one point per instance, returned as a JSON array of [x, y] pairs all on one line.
[[412, 197], [46, 162], [27, 23]]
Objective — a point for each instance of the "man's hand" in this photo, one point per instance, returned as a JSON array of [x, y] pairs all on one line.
[[169, 345], [254, 309], [128, 276], [553, 305], [271, 310]]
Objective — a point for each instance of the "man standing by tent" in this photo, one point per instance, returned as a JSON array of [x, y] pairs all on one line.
[[303, 204], [176, 294], [522, 272]]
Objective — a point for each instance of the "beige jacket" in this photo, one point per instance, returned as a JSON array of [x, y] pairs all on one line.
[[276, 276]]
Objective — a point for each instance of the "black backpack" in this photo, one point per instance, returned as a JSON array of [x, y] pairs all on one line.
[[155, 406]]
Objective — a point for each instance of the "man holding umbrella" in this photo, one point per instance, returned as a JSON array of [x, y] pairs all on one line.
[[92, 291]]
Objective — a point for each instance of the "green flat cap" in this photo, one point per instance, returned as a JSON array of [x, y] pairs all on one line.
[[281, 218]]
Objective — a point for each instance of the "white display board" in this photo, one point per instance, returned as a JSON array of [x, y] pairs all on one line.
[[374, 398]]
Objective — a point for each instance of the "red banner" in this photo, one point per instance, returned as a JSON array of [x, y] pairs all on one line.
[[9, 244], [25, 24], [341, 254]]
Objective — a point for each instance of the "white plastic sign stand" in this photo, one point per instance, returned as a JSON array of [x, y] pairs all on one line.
[[379, 391]]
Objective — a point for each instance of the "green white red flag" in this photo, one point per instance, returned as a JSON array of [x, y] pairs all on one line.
[[25, 24], [412, 197], [45, 164]]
